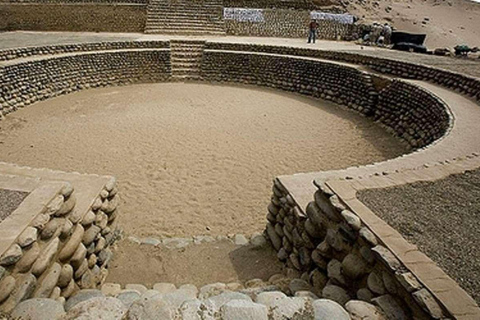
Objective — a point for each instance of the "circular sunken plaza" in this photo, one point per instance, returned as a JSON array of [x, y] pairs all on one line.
[[152, 176]]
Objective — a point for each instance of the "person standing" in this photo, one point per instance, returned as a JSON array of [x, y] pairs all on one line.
[[387, 33], [312, 33]]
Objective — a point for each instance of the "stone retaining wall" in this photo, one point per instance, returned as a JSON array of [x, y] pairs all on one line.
[[285, 4], [411, 113], [15, 53], [62, 248], [73, 17], [285, 23], [25, 83], [465, 84], [342, 259]]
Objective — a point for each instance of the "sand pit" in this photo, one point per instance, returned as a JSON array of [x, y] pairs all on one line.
[[191, 159]]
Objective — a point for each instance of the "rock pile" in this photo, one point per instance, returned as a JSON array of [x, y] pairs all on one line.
[[341, 259], [256, 300]]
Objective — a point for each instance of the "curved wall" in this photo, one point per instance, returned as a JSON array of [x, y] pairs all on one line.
[[24, 83], [464, 84], [411, 113]]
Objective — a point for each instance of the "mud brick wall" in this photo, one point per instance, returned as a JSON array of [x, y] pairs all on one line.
[[72, 17], [25, 83], [62, 251], [285, 23], [15, 53], [341, 258], [345, 86]]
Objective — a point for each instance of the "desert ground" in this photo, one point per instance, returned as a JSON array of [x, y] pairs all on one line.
[[446, 22], [191, 159]]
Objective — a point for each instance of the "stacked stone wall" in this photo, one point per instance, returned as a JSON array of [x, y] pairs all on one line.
[[327, 5], [73, 17], [62, 250], [25, 83], [409, 112], [78, 1], [342, 259], [15, 53], [285, 23], [345, 86], [465, 84]]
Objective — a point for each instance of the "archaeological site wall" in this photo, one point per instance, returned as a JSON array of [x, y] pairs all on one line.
[[75, 16], [57, 241], [62, 245], [408, 111], [61, 75], [287, 23], [341, 257]]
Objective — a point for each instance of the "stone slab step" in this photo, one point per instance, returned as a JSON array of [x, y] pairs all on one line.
[[185, 32]]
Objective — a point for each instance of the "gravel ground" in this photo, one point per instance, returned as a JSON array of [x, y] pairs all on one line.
[[9, 201], [442, 218]]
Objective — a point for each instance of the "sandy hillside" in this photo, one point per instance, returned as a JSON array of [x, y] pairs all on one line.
[[446, 22]]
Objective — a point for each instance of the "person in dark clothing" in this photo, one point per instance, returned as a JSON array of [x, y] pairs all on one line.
[[312, 32]]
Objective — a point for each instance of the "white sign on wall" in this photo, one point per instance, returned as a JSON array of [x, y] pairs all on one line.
[[341, 18], [243, 15]]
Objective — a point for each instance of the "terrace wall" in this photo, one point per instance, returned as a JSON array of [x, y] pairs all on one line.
[[25, 83], [411, 113], [342, 259], [72, 17], [286, 23]]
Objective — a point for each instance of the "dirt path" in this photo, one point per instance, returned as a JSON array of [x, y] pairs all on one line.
[[191, 159], [199, 264]]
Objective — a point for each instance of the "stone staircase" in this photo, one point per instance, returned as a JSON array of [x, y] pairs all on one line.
[[186, 59], [193, 17]]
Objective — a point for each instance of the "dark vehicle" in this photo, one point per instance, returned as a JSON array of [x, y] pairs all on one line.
[[408, 42]]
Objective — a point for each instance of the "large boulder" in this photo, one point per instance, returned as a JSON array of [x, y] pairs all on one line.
[[38, 309]]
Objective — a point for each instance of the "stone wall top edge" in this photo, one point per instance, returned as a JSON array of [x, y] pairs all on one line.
[[349, 53], [33, 205], [422, 267]]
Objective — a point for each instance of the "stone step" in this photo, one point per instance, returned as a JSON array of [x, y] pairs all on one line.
[[182, 20], [185, 27], [192, 62], [206, 9], [185, 23], [185, 71], [185, 32], [180, 77]]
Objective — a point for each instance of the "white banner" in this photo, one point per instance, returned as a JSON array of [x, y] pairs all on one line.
[[341, 18], [243, 15]]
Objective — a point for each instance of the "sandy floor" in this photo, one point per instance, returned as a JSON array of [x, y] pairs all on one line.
[[191, 159], [202, 264]]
